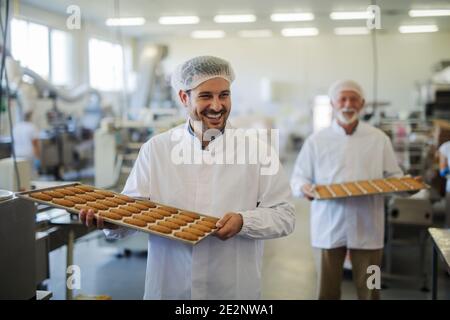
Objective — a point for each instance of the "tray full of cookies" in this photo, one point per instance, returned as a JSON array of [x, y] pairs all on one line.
[[143, 215], [368, 187]]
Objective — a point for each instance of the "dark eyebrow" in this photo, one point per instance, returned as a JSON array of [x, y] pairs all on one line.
[[209, 92]]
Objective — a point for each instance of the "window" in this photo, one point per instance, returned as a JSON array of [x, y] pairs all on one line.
[[29, 45], [61, 49], [322, 113], [105, 65]]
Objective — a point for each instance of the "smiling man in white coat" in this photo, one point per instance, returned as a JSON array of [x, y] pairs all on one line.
[[349, 150], [251, 206]]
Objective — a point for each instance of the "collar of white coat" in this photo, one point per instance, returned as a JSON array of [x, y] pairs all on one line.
[[197, 143], [341, 131]]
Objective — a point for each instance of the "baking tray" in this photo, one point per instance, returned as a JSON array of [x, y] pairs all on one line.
[[368, 187], [179, 212]]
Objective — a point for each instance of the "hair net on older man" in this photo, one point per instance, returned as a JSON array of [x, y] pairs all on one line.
[[195, 71], [344, 85]]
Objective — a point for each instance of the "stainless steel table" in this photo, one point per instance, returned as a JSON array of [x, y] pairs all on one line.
[[441, 248]]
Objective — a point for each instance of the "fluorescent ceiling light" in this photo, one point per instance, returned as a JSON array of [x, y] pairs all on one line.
[[137, 21], [429, 13], [299, 32], [255, 33], [179, 20], [418, 29], [351, 15], [208, 34], [284, 17], [347, 31], [238, 18]]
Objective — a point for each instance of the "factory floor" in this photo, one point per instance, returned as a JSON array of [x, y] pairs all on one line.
[[288, 268]]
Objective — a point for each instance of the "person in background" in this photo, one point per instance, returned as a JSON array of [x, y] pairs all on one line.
[[444, 171], [26, 141], [348, 150]]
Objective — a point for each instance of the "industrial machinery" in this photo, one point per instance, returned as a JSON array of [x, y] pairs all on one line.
[[17, 249]]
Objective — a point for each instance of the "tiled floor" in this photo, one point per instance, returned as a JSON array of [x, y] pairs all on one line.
[[288, 268]]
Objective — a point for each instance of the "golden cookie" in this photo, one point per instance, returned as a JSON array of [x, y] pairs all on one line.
[[63, 202], [85, 207], [108, 203], [172, 210], [65, 192], [190, 214], [177, 221], [153, 214], [124, 198], [98, 206], [105, 193], [194, 231], [161, 229], [186, 236], [53, 194], [183, 217], [200, 227], [75, 189], [75, 199], [123, 213], [138, 206], [144, 217], [161, 212], [96, 195], [207, 224], [110, 215], [85, 187], [130, 209], [41, 196], [147, 203], [86, 197], [211, 219], [168, 224], [135, 222], [117, 200]]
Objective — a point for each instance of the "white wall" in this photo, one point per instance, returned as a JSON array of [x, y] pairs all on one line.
[[305, 67]]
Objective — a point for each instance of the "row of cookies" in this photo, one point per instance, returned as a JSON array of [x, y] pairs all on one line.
[[368, 187], [182, 224]]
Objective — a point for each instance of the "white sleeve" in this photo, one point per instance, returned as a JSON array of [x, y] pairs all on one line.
[[137, 185], [138, 182], [444, 148], [275, 215], [303, 169], [390, 164]]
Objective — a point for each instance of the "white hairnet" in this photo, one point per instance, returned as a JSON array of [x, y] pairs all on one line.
[[344, 85], [195, 71]]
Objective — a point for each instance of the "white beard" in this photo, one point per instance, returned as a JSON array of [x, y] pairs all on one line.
[[343, 119]]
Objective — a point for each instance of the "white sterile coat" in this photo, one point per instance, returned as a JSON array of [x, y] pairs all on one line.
[[331, 156], [212, 269]]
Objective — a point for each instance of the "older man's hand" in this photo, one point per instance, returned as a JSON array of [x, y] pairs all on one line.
[[308, 191], [230, 224], [87, 217]]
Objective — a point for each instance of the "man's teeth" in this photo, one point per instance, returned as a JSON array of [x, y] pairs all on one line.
[[214, 116]]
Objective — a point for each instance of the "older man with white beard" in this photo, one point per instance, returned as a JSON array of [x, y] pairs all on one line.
[[349, 150]]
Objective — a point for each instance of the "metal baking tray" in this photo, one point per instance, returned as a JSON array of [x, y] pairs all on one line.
[[368, 188], [26, 196]]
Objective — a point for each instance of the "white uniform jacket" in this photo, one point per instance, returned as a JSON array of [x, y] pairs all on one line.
[[212, 269], [332, 156]]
